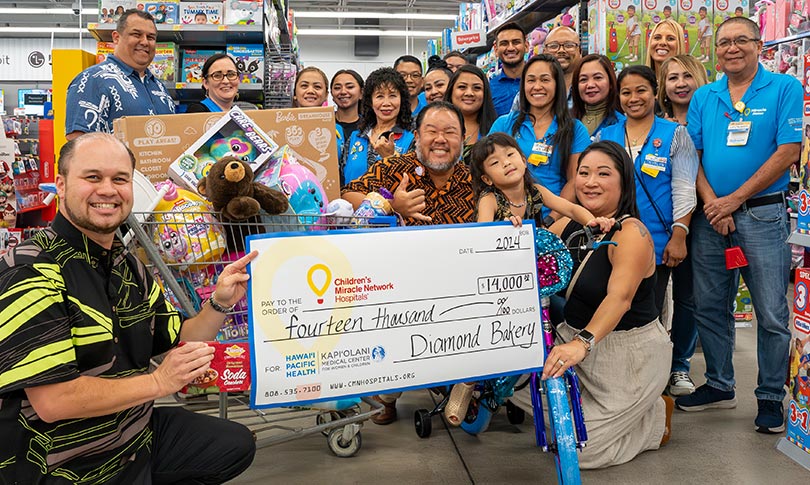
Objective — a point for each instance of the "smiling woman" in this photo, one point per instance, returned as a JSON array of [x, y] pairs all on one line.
[[666, 40], [220, 85]]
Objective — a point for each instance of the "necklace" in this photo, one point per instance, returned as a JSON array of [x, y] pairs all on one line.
[[516, 205]]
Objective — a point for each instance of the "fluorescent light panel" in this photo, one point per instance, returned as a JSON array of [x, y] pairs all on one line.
[[36, 30], [44, 11], [367, 33], [308, 14]]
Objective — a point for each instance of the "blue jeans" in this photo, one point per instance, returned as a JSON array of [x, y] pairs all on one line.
[[761, 233], [684, 330]]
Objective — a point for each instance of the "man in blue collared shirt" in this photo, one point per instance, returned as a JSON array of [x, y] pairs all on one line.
[[510, 47], [747, 130], [120, 86]]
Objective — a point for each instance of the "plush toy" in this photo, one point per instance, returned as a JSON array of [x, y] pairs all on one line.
[[230, 188]]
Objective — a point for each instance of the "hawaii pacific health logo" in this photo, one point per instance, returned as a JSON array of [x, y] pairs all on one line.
[[319, 277]]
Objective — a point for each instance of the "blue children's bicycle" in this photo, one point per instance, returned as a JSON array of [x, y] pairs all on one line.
[[567, 424]]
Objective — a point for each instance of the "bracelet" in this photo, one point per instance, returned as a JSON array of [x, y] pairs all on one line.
[[219, 308], [681, 225]]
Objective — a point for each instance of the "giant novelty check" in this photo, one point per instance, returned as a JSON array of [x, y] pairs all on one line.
[[348, 313]]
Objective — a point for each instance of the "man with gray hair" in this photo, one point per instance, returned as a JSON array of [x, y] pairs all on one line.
[[120, 86]]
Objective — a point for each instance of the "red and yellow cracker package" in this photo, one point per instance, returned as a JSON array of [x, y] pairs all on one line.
[[229, 371]]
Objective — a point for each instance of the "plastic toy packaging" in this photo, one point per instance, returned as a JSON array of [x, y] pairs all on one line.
[[375, 204], [297, 182], [187, 233]]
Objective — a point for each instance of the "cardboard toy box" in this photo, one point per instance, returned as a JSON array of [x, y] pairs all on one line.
[[234, 134], [166, 12], [798, 410], [228, 372], [157, 141], [201, 13]]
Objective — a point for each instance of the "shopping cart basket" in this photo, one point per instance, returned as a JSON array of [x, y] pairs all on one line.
[[186, 252]]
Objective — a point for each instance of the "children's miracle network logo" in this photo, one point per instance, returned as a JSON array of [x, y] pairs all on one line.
[[314, 280]]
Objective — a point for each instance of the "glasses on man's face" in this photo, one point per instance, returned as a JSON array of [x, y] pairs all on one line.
[[411, 75], [740, 42], [217, 76], [555, 46]]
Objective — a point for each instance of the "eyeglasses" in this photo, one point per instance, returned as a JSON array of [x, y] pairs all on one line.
[[555, 46], [217, 76], [739, 42], [411, 75]]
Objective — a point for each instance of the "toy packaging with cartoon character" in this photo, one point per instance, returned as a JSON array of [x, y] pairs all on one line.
[[201, 13], [192, 64], [162, 66], [243, 12], [166, 12], [103, 49], [234, 134], [249, 61], [798, 409], [9, 166], [109, 11]]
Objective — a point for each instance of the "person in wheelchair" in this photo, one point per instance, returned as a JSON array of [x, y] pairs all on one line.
[[612, 334]]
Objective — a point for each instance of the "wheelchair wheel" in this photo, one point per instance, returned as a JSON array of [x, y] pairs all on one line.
[[514, 414], [478, 418], [562, 430], [422, 422], [341, 448]]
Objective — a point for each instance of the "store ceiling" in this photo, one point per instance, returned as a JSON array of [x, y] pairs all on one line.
[[447, 7]]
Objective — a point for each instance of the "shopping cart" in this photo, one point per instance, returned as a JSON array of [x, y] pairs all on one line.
[[186, 252]]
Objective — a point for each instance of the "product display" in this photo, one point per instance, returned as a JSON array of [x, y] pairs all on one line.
[[201, 13]]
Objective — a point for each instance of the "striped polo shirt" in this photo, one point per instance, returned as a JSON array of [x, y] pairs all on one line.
[[70, 308]]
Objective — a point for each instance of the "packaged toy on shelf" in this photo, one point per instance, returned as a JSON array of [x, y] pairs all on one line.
[[243, 12], [187, 233], [201, 13], [166, 12], [798, 409], [162, 66], [235, 134], [109, 11], [103, 49], [192, 64], [249, 61]]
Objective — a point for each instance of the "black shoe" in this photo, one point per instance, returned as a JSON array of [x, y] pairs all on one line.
[[770, 417], [706, 397]]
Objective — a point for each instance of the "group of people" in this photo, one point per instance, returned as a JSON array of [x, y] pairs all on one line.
[[690, 168]]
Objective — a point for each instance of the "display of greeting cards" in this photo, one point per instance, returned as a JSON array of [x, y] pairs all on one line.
[[193, 61], [201, 13], [166, 12], [243, 12], [109, 11], [249, 61]]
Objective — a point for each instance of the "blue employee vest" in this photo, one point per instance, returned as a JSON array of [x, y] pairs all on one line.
[[357, 162], [660, 186]]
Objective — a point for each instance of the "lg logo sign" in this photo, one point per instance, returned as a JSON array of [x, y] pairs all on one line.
[[36, 59]]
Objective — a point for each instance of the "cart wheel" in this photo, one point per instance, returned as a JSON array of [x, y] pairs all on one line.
[[324, 418], [422, 423], [339, 447], [514, 414]]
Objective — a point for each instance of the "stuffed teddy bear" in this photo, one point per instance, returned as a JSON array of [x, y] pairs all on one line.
[[230, 187]]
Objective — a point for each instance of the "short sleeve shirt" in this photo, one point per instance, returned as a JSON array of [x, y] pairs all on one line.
[[504, 89], [452, 204], [110, 90], [71, 308]]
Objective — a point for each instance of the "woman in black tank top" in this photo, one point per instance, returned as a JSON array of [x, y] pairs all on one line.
[[612, 333]]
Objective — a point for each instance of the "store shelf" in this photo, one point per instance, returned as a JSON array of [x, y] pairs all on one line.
[[192, 34], [789, 38], [799, 239], [530, 16]]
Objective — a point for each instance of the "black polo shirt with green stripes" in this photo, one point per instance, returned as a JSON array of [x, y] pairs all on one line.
[[69, 307]]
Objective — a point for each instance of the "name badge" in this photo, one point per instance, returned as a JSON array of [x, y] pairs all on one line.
[[541, 152], [653, 165], [738, 132]]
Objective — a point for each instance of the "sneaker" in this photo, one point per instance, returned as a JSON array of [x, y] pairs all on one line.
[[770, 417], [706, 397], [680, 384]]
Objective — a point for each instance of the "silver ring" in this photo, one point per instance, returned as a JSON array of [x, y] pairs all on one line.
[[561, 362]]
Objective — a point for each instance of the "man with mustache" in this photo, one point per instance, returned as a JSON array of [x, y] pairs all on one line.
[[120, 86]]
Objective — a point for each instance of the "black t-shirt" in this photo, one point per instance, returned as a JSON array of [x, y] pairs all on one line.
[[348, 127], [591, 288]]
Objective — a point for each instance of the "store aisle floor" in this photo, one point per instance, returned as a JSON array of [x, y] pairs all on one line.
[[711, 447]]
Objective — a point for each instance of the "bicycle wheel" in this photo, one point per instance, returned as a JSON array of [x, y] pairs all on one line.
[[562, 429], [478, 418]]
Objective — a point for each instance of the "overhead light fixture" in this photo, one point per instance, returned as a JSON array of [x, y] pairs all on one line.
[[45, 11], [367, 33], [309, 14], [43, 30]]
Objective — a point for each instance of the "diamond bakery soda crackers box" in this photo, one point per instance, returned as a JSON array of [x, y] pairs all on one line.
[[228, 372]]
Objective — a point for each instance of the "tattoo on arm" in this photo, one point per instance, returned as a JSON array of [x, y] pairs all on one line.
[[642, 230]]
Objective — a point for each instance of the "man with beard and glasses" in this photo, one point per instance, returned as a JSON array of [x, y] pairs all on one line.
[[430, 186], [510, 46], [82, 319]]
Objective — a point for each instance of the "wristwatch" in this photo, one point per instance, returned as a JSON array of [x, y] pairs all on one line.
[[219, 308], [586, 338]]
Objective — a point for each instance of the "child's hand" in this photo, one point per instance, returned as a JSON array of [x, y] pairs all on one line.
[[603, 223], [515, 220]]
